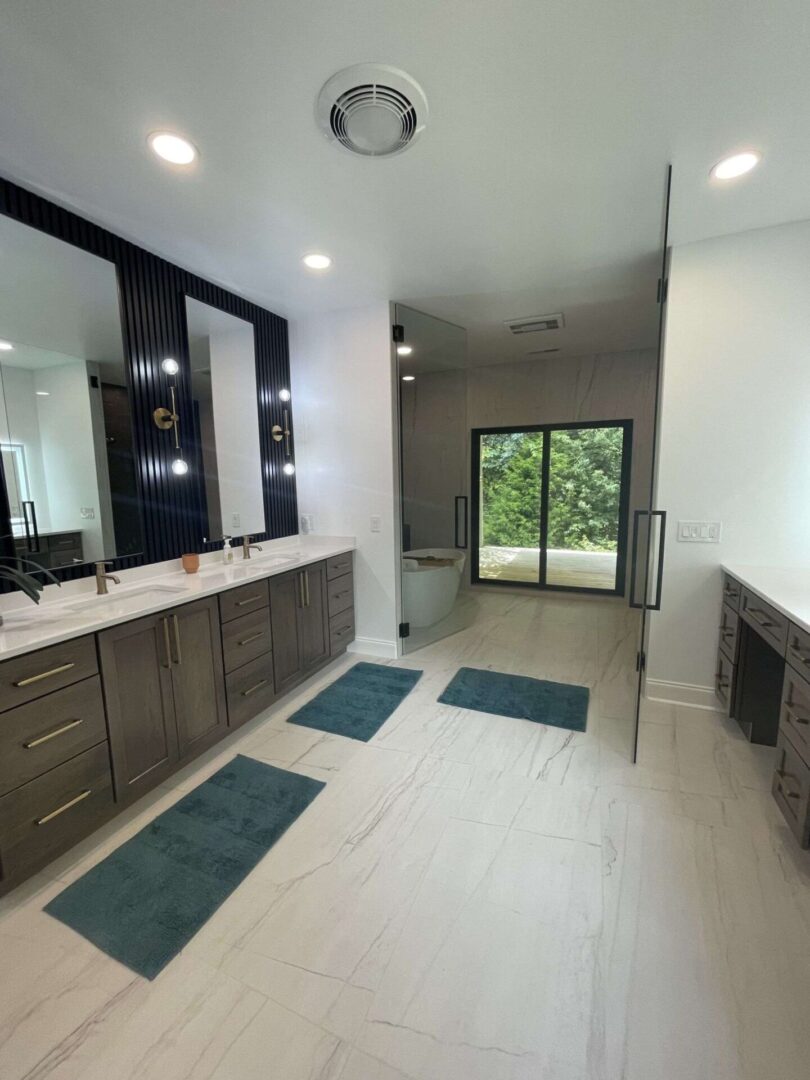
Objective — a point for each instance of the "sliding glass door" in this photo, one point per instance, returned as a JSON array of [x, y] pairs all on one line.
[[550, 505]]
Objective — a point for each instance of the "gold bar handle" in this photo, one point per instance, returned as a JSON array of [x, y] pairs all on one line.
[[247, 600], [168, 663], [61, 809], [52, 734], [301, 589], [306, 585], [783, 788], [257, 686], [794, 716], [179, 659], [253, 637], [45, 674]]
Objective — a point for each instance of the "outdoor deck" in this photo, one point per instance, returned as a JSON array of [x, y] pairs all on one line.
[[584, 569]]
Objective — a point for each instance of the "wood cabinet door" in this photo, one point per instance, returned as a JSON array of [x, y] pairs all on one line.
[[136, 674], [314, 617], [286, 599], [198, 677]]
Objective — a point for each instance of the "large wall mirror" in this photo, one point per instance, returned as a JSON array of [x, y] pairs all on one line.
[[65, 423], [227, 452]]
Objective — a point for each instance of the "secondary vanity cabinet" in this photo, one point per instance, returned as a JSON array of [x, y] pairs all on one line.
[[247, 648], [299, 620], [164, 688]]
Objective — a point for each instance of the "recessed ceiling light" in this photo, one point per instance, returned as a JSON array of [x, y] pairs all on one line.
[[408, 378], [736, 165], [172, 148], [317, 261], [404, 350], [6, 346], [42, 393], [170, 366]]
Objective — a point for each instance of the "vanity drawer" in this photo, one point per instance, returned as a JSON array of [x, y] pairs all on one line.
[[724, 679], [767, 621], [729, 631], [245, 638], [338, 565], [249, 690], [34, 674], [48, 815], [731, 592], [341, 631], [44, 733], [240, 601], [798, 650], [794, 719], [791, 789], [340, 591]]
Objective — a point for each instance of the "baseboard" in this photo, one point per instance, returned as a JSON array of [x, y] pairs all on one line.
[[697, 697], [369, 646]]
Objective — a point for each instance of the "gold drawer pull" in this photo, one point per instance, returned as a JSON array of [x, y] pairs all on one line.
[[253, 637], [252, 689], [343, 630], [765, 621], [794, 716], [55, 813], [52, 734], [248, 600], [802, 654], [45, 674], [340, 595], [785, 791]]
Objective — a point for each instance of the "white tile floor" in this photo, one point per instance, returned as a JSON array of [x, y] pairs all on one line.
[[470, 898]]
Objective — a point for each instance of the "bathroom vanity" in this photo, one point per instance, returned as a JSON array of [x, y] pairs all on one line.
[[762, 677], [102, 698]]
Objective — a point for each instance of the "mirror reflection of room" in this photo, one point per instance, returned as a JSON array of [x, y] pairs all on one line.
[[65, 431], [226, 422]]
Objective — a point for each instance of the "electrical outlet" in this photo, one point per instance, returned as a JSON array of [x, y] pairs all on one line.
[[376, 523], [699, 532], [87, 512], [236, 521]]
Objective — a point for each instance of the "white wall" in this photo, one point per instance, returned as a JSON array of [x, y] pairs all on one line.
[[20, 424], [735, 432], [344, 449]]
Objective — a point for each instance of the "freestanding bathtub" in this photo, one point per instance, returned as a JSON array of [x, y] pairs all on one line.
[[429, 592]]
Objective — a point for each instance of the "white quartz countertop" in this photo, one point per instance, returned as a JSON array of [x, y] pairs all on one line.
[[75, 609], [785, 588]]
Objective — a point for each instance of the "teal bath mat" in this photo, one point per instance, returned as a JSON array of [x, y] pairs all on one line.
[[543, 702], [359, 702], [144, 902]]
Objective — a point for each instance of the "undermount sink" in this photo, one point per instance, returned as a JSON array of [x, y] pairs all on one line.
[[145, 594], [257, 564]]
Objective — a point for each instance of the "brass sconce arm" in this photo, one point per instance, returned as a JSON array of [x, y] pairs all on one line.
[[167, 419], [278, 432]]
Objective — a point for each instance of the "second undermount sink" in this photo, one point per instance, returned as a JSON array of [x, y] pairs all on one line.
[[144, 594], [257, 564]]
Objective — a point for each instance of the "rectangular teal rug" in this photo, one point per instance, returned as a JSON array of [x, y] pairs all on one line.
[[144, 903], [558, 704], [359, 702]]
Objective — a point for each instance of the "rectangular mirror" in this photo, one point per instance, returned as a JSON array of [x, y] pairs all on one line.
[[65, 428], [227, 455]]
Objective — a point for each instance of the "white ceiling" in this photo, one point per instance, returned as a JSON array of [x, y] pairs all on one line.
[[537, 186]]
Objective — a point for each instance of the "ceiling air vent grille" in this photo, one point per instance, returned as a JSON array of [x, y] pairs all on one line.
[[536, 324], [372, 110]]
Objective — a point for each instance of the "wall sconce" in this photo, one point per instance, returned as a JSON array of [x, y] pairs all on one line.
[[282, 431], [168, 420]]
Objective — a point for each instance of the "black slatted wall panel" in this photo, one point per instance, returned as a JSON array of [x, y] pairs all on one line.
[[152, 300]]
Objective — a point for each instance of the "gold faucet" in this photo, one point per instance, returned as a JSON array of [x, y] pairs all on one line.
[[102, 578], [246, 546]]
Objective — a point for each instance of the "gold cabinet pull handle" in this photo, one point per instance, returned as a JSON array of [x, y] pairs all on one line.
[[179, 659], [248, 600], [168, 663], [45, 674], [340, 595], [301, 589], [61, 809], [794, 716], [306, 585], [257, 686], [52, 734], [343, 630], [782, 787], [253, 637]]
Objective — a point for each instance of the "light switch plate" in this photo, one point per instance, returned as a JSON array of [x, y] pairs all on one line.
[[235, 520], [376, 523], [699, 532]]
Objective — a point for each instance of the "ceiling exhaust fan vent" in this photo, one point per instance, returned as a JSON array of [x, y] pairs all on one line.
[[536, 324], [372, 110]]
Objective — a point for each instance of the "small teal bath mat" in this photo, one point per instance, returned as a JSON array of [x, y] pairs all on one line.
[[359, 702], [144, 902], [543, 702]]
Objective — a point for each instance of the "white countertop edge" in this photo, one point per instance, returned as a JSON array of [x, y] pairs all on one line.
[[27, 627], [785, 588]]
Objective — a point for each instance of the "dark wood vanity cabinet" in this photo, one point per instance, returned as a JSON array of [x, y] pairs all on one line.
[[300, 624], [165, 693]]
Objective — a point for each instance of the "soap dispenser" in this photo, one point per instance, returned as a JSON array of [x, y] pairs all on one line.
[[227, 550]]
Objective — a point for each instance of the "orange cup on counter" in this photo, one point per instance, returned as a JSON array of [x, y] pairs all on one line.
[[191, 563]]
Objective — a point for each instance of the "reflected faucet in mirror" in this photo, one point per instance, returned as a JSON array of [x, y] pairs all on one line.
[[102, 577]]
